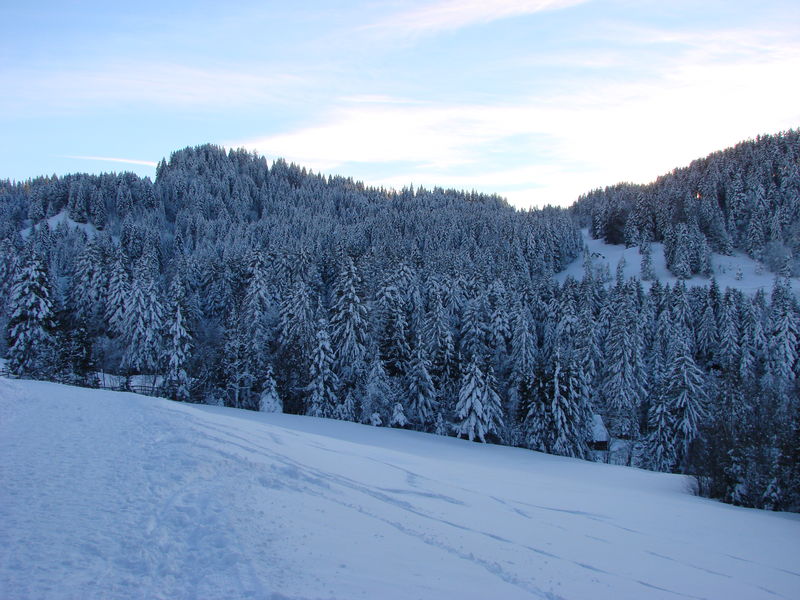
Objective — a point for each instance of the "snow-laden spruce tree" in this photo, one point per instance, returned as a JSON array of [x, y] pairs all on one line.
[[118, 293], [398, 418], [622, 385], [143, 320], [258, 308], [728, 349], [647, 271], [89, 286], [178, 343], [570, 414], [478, 411], [441, 346], [784, 336], [8, 268], [660, 455], [498, 328], [322, 400], [474, 331], [30, 327], [684, 392], [296, 342], [421, 393], [269, 401], [523, 357], [348, 326], [238, 364], [493, 405], [392, 330], [379, 395], [707, 333], [587, 350], [677, 251]]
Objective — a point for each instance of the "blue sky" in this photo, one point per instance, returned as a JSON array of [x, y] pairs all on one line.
[[536, 100]]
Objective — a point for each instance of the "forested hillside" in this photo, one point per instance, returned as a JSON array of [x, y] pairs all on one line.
[[231, 281], [745, 197]]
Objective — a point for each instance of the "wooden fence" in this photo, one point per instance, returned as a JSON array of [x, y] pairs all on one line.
[[136, 388]]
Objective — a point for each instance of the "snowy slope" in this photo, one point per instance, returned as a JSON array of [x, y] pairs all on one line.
[[754, 275], [62, 217], [113, 495]]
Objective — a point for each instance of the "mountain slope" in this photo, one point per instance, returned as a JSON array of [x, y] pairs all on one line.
[[116, 495], [752, 275]]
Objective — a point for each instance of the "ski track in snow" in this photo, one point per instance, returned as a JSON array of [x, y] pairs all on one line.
[[113, 495]]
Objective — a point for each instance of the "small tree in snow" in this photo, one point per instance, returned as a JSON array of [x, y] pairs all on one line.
[[378, 398], [648, 272], [269, 400], [398, 416]]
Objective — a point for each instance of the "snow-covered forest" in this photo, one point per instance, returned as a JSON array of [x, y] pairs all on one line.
[[230, 281], [746, 197]]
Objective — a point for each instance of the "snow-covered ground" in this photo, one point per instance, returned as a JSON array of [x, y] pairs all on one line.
[[754, 275], [62, 217], [114, 495]]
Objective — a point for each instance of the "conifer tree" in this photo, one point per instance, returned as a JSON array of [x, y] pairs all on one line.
[[378, 399], [348, 325], [30, 327], [178, 344], [296, 342], [393, 331], [89, 286], [473, 332], [784, 338], [622, 388], [498, 330], [478, 407], [523, 357], [270, 400], [118, 293], [728, 346], [587, 351], [421, 393], [441, 347], [660, 445], [647, 270], [685, 393], [707, 336], [492, 406], [568, 411], [322, 398], [258, 309], [143, 321], [398, 418]]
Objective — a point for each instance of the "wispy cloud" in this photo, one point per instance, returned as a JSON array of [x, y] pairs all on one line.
[[697, 100], [69, 89], [128, 161], [454, 14]]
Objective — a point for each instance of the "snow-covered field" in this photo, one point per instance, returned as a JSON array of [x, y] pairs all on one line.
[[114, 495], [754, 276]]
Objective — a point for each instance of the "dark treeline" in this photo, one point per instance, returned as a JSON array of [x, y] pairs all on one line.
[[267, 287], [746, 197]]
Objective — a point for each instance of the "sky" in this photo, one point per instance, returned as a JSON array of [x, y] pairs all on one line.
[[535, 100]]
